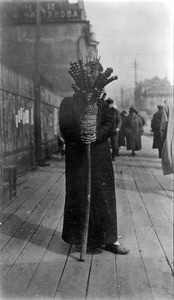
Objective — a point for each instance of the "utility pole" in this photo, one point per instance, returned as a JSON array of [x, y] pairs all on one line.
[[122, 99], [135, 66], [37, 106]]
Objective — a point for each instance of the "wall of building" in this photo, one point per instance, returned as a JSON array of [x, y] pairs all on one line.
[[58, 47], [61, 41], [17, 126]]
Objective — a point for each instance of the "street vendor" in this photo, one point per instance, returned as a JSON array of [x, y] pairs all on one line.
[[102, 232]]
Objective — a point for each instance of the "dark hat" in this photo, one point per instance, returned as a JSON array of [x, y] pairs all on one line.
[[109, 101], [160, 103], [124, 112], [133, 110]]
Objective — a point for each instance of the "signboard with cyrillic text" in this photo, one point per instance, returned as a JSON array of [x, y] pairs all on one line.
[[20, 12]]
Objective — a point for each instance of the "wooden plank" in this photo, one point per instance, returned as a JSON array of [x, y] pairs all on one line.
[[103, 279], [153, 256], [37, 178], [166, 183], [149, 157], [133, 282], [158, 188], [19, 241], [27, 263], [160, 193], [151, 185], [151, 163], [74, 281], [23, 212], [46, 279], [28, 189], [162, 224]]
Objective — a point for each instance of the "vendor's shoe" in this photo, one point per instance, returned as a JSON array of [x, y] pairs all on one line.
[[113, 158], [133, 154], [116, 249]]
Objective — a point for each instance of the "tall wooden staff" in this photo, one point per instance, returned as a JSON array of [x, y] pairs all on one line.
[[88, 124], [88, 204], [90, 81]]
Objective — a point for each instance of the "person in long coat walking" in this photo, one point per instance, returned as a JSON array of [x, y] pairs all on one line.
[[134, 130], [155, 125], [167, 136], [122, 133], [103, 217]]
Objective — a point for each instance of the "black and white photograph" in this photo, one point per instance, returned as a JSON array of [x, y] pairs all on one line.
[[86, 150]]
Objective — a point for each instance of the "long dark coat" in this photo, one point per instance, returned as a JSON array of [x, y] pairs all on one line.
[[155, 125], [103, 221], [134, 130], [122, 132], [115, 134]]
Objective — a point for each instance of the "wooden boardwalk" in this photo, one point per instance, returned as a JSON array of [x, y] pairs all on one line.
[[37, 264]]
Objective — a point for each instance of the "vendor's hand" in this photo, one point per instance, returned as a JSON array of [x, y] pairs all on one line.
[[117, 129], [87, 139]]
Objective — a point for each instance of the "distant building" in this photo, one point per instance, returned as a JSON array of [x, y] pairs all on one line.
[[63, 35], [151, 92], [126, 98]]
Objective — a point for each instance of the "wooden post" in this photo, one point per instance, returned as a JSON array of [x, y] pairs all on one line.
[[88, 203], [37, 109]]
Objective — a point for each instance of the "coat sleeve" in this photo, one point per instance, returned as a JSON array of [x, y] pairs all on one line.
[[119, 122], [153, 123], [140, 126], [106, 127], [163, 125], [69, 126], [127, 125]]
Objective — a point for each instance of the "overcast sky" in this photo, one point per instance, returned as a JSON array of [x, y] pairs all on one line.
[[133, 30]]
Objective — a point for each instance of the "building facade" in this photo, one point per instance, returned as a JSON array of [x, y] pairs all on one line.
[[152, 92], [45, 37]]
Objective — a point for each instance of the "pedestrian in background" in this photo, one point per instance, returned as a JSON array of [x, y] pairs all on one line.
[[140, 116], [155, 125], [134, 130], [167, 137], [122, 133], [117, 125], [142, 119]]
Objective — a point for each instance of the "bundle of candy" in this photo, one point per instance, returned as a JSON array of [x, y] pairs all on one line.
[[90, 81]]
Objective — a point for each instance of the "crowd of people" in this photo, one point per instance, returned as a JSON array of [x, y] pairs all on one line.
[[127, 131]]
